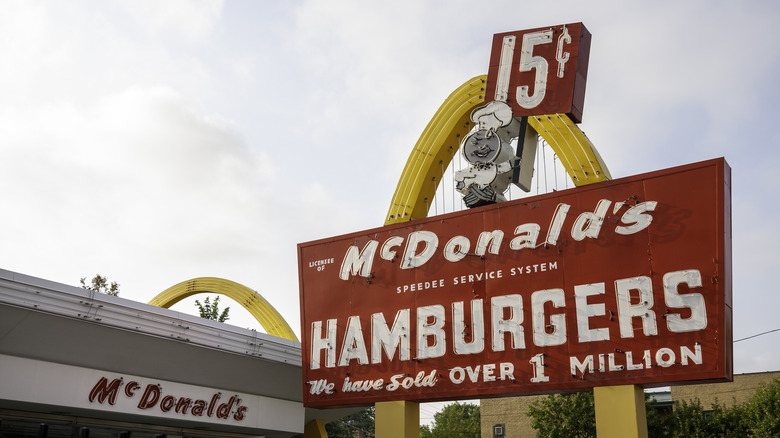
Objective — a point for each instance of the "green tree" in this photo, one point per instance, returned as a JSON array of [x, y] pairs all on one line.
[[763, 411], [454, 421], [210, 310], [656, 424], [362, 421], [728, 422], [100, 284], [687, 420], [564, 416]]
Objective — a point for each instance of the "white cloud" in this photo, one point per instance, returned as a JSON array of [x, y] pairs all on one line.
[[155, 142], [138, 173], [193, 20]]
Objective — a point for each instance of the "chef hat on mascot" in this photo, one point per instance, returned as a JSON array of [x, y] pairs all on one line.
[[492, 116]]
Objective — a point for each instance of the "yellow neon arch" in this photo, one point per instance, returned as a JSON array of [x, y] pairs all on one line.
[[433, 152], [271, 320], [441, 139]]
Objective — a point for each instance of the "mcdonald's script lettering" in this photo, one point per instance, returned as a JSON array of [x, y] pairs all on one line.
[[106, 391]]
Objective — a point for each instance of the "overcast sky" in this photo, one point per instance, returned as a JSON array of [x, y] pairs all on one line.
[[158, 141]]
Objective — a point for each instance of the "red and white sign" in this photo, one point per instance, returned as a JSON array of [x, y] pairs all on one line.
[[622, 282], [540, 71]]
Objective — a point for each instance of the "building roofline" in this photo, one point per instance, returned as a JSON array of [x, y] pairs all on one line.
[[41, 295]]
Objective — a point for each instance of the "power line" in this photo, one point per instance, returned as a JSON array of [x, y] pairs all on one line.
[[756, 335]]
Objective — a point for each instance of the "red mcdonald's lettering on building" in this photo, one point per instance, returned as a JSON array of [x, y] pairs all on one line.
[[150, 397], [103, 390], [153, 396]]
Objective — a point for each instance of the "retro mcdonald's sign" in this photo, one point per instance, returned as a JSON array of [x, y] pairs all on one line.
[[620, 282]]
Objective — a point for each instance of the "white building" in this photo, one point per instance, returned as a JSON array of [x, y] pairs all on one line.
[[79, 364]]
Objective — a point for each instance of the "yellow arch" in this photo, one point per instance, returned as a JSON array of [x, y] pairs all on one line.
[[273, 322], [433, 152], [441, 139], [577, 154]]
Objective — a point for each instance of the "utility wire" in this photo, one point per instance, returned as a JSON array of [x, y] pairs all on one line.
[[759, 334]]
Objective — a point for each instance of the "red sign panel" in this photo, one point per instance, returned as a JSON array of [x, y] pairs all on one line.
[[540, 71], [622, 282]]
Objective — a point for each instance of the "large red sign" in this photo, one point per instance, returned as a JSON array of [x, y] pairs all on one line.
[[622, 282], [540, 71]]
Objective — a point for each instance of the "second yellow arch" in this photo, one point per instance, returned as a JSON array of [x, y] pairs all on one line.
[[271, 320]]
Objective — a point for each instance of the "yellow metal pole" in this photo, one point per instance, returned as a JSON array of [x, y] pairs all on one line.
[[315, 429], [620, 411], [397, 419]]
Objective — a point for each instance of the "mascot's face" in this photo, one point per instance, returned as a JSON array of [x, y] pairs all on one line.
[[481, 147]]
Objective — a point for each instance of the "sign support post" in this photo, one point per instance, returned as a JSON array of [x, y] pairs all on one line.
[[620, 411], [315, 429], [397, 419]]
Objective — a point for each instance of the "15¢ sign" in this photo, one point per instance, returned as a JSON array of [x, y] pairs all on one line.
[[540, 71]]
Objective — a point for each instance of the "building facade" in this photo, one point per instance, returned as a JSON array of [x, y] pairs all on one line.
[[74, 363]]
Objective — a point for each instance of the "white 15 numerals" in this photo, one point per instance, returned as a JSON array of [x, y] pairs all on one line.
[[528, 62]]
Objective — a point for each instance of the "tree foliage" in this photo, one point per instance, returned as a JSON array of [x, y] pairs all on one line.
[[563, 416], [362, 421], [456, 420], [210, 310], [100, 284], [573, 415], [763, 410], [686, 420], [759, 417]]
